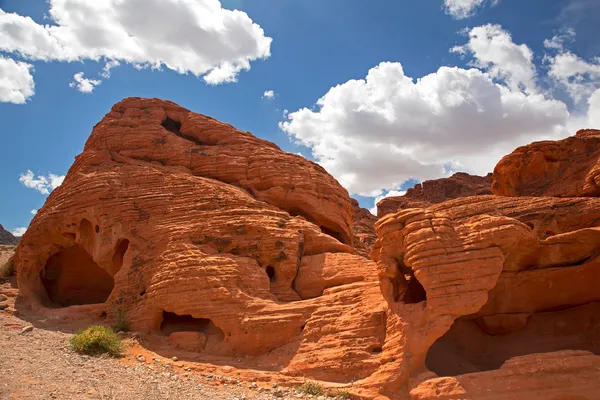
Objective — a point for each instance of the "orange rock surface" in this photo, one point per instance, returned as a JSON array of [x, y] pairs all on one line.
[[563, 168], [494, 278], [424, 194], [223, 250]]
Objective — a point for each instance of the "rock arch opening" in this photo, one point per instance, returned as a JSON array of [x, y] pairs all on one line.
[[71, 277], [406, 287], [475, 344]]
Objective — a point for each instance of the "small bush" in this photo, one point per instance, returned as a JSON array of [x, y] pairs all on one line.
[[341, 394], [7, 270], [96, 340], [312, 388], [121, 324]]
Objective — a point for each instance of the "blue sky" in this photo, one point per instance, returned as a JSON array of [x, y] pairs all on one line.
[[518, 72]]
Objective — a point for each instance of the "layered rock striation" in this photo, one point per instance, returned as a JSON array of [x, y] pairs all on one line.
[[563, 168]]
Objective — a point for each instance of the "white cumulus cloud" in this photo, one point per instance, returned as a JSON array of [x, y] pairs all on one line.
[[493, 49], [198, 37], [41, 183], [84, 85], [268, 94], [461, 9], [16, 82], [580, 78], [375, 133], [18, 232], [33, 212]]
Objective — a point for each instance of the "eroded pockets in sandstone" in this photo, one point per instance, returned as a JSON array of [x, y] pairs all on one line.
[[71, 277], [189, 333], [485, 343]]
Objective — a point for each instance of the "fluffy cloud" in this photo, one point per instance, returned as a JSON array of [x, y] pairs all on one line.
[[33, 212], [198, 37], [493, 49], [107, 67], [374, 134], [84, 85], [580, 78], [19, 231], [268, 94], [16, 82], [461, 9], [391, 193], [41, 183]]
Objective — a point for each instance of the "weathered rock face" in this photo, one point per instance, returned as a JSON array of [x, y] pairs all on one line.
[[493, 278], [564, 168], [222, 249], [215, 243], [6, 237], [436, 191], [364, 229]]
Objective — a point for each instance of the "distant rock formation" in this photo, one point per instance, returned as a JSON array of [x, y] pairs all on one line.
[[7, 238], [364, 229], [563, 168], [436, 191]]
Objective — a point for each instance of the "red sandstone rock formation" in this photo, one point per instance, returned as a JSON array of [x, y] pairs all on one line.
[[222, 249], [493, 278], [217, 245], [364, 229], [564, 168], [436, 191]]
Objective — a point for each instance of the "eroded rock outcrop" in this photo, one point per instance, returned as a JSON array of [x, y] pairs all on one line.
[[217, 245], [7, 238], [424, 194], [563, 168], [495, 278]]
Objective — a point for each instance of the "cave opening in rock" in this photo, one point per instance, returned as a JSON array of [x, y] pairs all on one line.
[[332, 233], [72, 277], [117, 259], [270, 272], [473, 345], [172, 126], [172, 322]]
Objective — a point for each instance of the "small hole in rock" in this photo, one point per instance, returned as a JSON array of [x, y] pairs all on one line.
[[530, 225], [143, 293], [103, 315], [171, 125], [302, 327], [376, 350], [270, 272], [550, 233], [97, 229]]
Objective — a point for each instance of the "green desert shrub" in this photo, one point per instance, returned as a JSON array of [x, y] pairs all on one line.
[[311, 388], [121, 324], [96, 340]]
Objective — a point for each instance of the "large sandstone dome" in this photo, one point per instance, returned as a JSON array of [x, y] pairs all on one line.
[[220, 248]]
